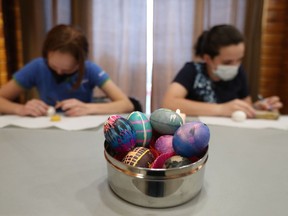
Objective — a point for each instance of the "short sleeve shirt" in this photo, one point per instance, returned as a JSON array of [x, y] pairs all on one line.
[[37, 74], [194, 78]]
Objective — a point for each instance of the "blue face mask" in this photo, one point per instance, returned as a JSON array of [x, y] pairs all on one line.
[[226, 72]]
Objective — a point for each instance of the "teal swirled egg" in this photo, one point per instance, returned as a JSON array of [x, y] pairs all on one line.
[[191, 139], [165, 121], [142, 127], [119, 134]]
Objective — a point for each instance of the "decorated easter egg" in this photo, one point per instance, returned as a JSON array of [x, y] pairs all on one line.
[[119, 134], [139, 157], [115, 154], [158, 163], [142, 127], [164, 144], [176, 161], [165, 121], [155, 136], [191, 139]]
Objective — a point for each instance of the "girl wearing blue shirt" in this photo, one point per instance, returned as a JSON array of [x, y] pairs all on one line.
[[64, 79]]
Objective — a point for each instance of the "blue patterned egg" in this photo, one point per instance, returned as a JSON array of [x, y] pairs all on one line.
[[119, 134], [143, 128], [165, 121], [191, 139]]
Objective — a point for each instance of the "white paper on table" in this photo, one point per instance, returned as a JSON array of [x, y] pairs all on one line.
[[281, 123], [5, 120], [81, 122], [66, 123]]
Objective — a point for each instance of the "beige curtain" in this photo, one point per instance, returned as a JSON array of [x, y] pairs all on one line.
[[177, 25], [214, 12], [119, 43], [172, 43], [38, 17]]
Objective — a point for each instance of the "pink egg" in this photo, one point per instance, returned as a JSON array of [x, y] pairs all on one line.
[[160, 160], [164, 144]]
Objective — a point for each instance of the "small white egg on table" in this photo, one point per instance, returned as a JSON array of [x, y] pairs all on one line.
[[51, 111], [239, 116]]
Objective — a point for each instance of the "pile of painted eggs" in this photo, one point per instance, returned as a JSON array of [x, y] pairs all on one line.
[[160, 141]]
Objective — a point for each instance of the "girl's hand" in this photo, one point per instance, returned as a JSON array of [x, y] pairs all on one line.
[[73, 107], [270, 103], [34, 107], [229, 107]]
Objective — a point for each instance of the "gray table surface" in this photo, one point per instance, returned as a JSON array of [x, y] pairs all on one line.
[[57, 173]]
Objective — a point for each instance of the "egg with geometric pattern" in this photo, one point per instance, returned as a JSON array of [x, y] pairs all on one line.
[[139, 157], [142, 127]]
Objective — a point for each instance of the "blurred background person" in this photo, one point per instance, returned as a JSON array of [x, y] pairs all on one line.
[[216, 85], [64, 79]]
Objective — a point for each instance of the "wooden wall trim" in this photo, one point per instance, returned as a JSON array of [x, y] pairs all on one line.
[[273, 70]]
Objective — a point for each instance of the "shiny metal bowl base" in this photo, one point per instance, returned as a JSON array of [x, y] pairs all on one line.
[[155, 188]]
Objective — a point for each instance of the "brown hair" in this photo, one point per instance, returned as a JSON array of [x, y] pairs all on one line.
[[68, 39], [210, 42]]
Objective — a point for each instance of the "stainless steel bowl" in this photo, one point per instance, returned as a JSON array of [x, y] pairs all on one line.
[[156, 188]]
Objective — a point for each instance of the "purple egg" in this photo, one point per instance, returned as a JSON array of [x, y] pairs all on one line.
[[164, 144], [119, 134], [191, 139]]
